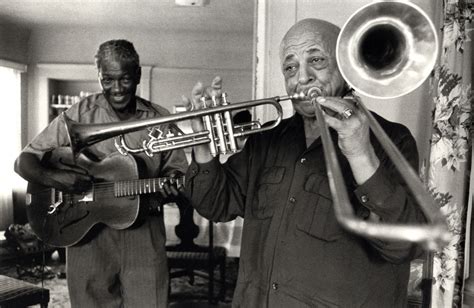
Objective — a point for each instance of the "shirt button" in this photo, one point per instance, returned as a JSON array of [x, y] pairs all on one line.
[[303, 160], [206, 172], [275, 286], [364, 198], [292, 200]]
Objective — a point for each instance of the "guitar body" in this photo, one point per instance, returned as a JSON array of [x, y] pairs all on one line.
[[75, 214]]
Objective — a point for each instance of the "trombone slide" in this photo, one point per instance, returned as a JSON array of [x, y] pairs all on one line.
[[432, 236]]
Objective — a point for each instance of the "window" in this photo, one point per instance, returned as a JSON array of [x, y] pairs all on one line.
[[10, 136]]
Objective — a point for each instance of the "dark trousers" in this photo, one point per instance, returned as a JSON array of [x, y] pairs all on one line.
[[120, 268]]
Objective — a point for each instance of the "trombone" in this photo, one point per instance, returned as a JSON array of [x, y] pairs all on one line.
[[385, 50]]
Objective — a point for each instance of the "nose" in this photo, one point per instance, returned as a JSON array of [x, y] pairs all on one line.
[[116, 86], [305, 74]]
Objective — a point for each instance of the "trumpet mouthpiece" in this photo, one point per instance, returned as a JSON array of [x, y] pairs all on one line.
[[298, 96]]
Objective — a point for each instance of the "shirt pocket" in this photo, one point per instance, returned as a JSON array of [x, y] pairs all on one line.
[[268, 195], [316, 214]]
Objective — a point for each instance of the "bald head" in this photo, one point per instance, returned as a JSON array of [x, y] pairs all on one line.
[[318, 29], [308, 59]]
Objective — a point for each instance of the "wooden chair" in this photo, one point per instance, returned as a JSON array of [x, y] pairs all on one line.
[[190, 259]]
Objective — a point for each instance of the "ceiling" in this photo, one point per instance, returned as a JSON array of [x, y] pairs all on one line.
[[218, 15]]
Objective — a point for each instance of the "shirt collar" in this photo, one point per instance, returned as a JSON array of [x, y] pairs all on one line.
[[142, 105], [295, 122]]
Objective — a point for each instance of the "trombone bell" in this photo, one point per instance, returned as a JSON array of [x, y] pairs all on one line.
[[387, 49]]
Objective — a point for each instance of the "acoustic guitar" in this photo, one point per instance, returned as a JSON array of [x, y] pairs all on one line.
[[62, 219]]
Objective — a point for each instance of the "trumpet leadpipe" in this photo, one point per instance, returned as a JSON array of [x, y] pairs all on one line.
[[177, 142]]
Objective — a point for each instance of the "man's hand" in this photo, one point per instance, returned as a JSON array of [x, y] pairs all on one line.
[[171, 189], [201, 152], [29, 167], [353, 135], [68, 181]]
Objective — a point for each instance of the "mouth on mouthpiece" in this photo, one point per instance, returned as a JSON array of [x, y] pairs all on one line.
[[313, 93]]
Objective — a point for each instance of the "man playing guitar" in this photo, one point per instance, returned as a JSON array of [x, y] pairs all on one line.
[[110, 267]]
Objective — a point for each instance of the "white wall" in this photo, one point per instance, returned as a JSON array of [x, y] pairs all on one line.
[[14, 43], [163, 49], [222, 53]]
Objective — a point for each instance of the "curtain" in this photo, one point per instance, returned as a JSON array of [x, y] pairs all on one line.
[[450, 154], [10, 135]]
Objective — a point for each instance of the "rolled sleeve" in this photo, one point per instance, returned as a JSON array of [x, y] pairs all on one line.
[[52, 137]]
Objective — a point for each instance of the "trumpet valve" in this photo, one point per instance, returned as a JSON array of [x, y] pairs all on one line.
[[224, 98]]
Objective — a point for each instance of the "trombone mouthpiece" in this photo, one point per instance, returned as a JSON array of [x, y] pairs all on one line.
[[313, 93]]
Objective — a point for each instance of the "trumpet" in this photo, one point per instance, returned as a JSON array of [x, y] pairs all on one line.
[[220, 132]]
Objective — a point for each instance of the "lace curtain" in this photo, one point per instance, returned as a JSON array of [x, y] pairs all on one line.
[[448, 172]]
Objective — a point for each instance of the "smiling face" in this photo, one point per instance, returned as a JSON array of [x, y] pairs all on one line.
[[119, 79], [307, 54]]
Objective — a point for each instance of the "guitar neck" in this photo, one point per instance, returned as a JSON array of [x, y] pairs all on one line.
[[144, 186]]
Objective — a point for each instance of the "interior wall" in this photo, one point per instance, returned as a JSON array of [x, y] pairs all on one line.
[[14, 43], [160, 48], [179, 53]]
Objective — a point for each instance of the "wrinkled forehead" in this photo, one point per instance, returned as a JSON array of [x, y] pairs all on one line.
[[309, 34], [308, 43]]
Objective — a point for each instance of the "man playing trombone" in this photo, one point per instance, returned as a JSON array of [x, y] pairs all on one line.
[[294, 253]]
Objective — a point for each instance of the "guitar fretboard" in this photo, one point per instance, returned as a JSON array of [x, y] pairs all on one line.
[[143, 186]]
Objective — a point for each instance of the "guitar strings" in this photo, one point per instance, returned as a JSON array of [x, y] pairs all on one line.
[[136, 184]]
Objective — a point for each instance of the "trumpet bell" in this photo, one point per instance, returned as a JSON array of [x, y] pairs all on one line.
[[387, 49]]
